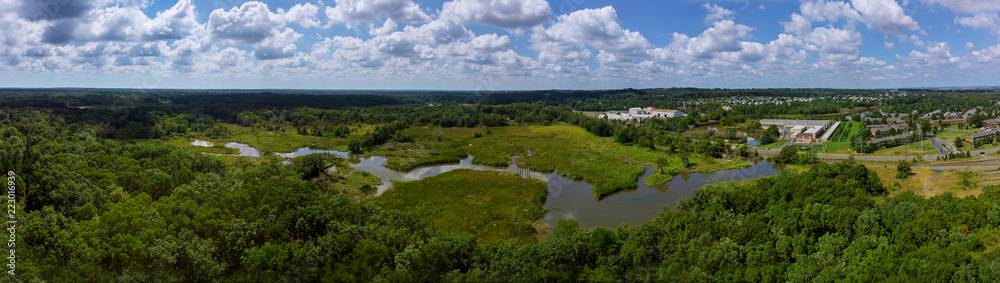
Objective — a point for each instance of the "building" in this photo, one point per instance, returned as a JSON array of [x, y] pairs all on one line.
[[786, 125], [991, 122], [800, 130], [809, 135], [829, 132], [886, 139], [946, 122], [637, 111], [666, 113], [978, 136], [877, 130]]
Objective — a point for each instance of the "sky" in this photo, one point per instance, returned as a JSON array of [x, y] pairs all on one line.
[[487, 45]]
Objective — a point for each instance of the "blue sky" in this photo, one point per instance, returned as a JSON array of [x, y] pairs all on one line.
[[499, 44]]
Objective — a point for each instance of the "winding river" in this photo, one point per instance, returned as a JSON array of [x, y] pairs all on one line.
[[567, 198]]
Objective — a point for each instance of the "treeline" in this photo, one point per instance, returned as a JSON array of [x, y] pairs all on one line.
[[103, 210]]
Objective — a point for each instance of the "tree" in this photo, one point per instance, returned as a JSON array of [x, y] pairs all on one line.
[[925, 126], [959, 142], [771, 135], [685, 161], [903, 169], [789, 154]]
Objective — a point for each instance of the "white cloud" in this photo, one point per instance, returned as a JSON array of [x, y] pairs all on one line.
[[832, 11], [835, 41], [912, 39], [302, 14], [250, 23], [799, 25], [885, 16], [122, 23], [938, 55], [986, 56], [281, 45], [715, 13], [889, 45], [512, 15], [441, 31], [721, 37], [983, 21], [388, 27], [968, 6], [565, 41], [356, 11], [882, 15]]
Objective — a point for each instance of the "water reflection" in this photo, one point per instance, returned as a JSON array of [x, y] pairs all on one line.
[[376, 166], [576, 199]]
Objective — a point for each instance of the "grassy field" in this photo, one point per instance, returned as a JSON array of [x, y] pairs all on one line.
[[405, 157], [487, 204], [582, 139], [930, 183], [776, 144], [922, 148], [950, 134], [340, 178], [837, 148]]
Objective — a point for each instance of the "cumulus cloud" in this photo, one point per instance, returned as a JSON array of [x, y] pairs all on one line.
[[356, 11], [565, 41], [512, 15], [982, 21], [885, 16], [121, 23], [302, 14], [715, 13], [281, 45], [968, 6], [835, 41], [723, 36], [938, 55], [249, 23], [832, 11], [40, 10], [388, 27]]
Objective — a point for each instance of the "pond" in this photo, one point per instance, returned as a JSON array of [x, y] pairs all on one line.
[[567, 198], [571, 199]]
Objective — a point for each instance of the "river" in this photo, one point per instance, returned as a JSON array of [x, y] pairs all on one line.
[[567, 198]]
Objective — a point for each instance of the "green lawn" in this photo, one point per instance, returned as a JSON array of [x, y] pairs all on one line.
[[776, 144], [489, 205], [837, 148], [949, 134], [922, 148]]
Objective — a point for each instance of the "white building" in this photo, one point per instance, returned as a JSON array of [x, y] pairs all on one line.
[[637, 111], [667, 113]]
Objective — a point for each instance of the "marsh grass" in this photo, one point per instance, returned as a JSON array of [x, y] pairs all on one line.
[[486, 204]]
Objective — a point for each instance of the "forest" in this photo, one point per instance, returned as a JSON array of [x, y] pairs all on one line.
[[107, 197]]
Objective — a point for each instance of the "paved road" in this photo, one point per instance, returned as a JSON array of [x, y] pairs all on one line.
[[938, 144]]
